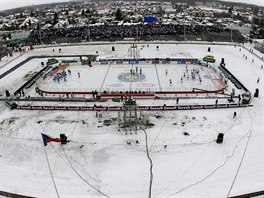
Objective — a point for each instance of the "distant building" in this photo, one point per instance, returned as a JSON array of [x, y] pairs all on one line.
[[245, 30], [260, 46], [20, 35]]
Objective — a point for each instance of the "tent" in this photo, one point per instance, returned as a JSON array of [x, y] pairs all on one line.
[[13, 42]]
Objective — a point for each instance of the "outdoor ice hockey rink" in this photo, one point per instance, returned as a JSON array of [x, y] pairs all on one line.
[[145, 77]]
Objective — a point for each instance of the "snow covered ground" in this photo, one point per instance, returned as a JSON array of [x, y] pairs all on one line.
[[98, 162]]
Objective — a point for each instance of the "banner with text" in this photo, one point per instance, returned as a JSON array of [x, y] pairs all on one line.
[[141, 108]]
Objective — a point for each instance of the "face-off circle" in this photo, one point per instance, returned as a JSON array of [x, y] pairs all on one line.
[[128, 77]]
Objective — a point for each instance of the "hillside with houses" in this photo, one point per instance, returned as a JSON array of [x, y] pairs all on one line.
[[90, 21]]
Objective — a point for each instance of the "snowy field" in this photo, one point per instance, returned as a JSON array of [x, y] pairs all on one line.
[[98, 162]]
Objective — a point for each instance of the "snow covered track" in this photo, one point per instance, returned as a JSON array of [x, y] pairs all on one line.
[[179, 157]]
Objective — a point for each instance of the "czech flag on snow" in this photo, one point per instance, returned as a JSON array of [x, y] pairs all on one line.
[[47, 139]]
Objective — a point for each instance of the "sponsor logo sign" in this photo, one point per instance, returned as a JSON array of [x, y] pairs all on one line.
[[142, 108], [133, 62]]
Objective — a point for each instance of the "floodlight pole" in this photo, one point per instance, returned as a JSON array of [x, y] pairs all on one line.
[[47, 159], [40, 36], [137, 28], [89, 33], [137, 31], [184, 30], [137, 24], [231, 35]]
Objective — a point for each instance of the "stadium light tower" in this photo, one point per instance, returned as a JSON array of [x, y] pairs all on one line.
[[87, 22], [231, 35], [136, 13], [137, 28], [40, 36], [184, 31], [89, 32]]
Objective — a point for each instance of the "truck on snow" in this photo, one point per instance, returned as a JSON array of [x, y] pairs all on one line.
[[246, 97]]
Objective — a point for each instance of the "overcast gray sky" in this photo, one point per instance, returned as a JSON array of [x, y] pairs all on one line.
[[8, 4], [256, 2]]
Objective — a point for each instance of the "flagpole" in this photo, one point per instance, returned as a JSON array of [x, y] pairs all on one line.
[[47, 159], [51, 173]]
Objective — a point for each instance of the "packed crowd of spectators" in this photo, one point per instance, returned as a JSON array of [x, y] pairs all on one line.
[[3, 51], [119, 31]]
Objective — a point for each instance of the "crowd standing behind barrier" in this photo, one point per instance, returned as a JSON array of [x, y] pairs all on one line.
[[123, 31]]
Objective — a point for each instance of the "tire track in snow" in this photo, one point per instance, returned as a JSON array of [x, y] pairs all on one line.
[[219, 167], [151, 165], [186, 171], [158, 133], [70, 164], [251, 123]]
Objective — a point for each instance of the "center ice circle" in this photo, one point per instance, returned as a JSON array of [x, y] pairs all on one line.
[[128, 77]]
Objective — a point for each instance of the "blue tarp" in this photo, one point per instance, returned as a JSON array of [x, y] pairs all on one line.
[[149, 19]]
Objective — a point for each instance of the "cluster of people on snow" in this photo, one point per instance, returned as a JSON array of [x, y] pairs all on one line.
[[60, 75], [194, 73]]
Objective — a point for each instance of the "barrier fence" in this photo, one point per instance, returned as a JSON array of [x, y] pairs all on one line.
[[52, 90], [13, 195], [142, 108], [251, 194]]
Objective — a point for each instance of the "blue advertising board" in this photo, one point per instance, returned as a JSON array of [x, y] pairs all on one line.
[[133, 62], [181, 61]]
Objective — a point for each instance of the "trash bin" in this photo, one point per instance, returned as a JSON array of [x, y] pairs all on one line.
[[220, 138], [116, 99]]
